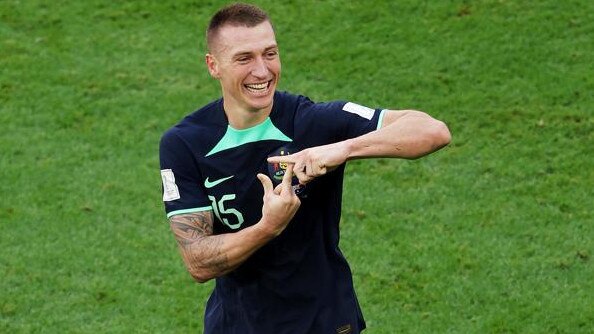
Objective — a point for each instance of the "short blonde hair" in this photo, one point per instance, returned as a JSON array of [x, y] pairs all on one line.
[[237, 14]]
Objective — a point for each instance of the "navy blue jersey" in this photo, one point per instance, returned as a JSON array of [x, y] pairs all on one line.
[[299, 282]]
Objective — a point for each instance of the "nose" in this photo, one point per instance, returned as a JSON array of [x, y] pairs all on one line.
[[260, 69]]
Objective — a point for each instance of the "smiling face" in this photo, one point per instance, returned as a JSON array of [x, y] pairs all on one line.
[[246, 62]]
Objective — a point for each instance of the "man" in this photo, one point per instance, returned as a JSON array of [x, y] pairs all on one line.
[[239, 215]]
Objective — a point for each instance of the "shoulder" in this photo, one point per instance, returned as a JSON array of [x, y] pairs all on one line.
[[200, 123], [286, 97], [303, 104], [286, 100]]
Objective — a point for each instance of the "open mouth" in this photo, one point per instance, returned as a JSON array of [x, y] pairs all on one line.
[[258, 88]]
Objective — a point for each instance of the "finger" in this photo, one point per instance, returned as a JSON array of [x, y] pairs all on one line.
[[305, 179], [320, 170], [299, 171], [278, 189], [283, 158], [266, 183], [287, 178], [309, 170]]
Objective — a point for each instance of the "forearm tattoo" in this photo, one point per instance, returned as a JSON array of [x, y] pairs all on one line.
[[200, 249]]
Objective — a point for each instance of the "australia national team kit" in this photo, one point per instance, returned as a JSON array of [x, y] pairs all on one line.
[[299, 282]]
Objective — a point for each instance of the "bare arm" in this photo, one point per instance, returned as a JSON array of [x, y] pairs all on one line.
[[407, 134], [207, 256]]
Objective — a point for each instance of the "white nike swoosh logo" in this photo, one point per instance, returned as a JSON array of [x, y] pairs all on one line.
[[210, 184]]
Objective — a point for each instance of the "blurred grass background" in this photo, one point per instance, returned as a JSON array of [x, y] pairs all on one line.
[[490, 235]]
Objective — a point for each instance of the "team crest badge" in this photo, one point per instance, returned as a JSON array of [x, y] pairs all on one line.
[[276, 171]]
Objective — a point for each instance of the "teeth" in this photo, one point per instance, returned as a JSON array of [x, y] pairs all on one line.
[[257, 86]]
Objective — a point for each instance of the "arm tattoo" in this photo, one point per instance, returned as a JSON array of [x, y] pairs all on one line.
[[190, 227], [199, 248]]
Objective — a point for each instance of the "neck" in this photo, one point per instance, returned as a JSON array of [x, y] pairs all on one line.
[[241, 118]]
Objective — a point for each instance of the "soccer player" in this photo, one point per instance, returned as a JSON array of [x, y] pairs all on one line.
[[252, 186]]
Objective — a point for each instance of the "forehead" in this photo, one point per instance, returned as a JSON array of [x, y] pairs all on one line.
[[231, 40]]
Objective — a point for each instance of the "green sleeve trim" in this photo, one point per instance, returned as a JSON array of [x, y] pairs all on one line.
[[179, 212], [380, 121]]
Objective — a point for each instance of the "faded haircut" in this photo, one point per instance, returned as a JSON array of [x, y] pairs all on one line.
[[236, 14]]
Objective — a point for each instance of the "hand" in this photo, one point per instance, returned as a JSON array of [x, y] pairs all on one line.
[[315, 161], [280, 203]]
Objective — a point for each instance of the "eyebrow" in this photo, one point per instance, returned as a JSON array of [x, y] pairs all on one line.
[[247, 53]]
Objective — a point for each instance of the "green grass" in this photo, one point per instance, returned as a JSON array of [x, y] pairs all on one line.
[[493, 234]]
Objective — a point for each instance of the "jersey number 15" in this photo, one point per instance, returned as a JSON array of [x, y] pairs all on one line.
[[220, 211]]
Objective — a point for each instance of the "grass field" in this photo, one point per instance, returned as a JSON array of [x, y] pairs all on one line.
[[494, 234]]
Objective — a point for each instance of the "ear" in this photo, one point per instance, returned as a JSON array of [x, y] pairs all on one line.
[[213, 65]]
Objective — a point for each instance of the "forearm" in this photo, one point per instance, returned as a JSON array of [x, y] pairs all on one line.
[[408, 134], [207, 256], [405, 134]]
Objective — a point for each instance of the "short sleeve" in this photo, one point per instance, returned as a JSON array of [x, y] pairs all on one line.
[[182, 190], [341, 120]]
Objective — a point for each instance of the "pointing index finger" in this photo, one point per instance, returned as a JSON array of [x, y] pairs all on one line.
[[282, 158]]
